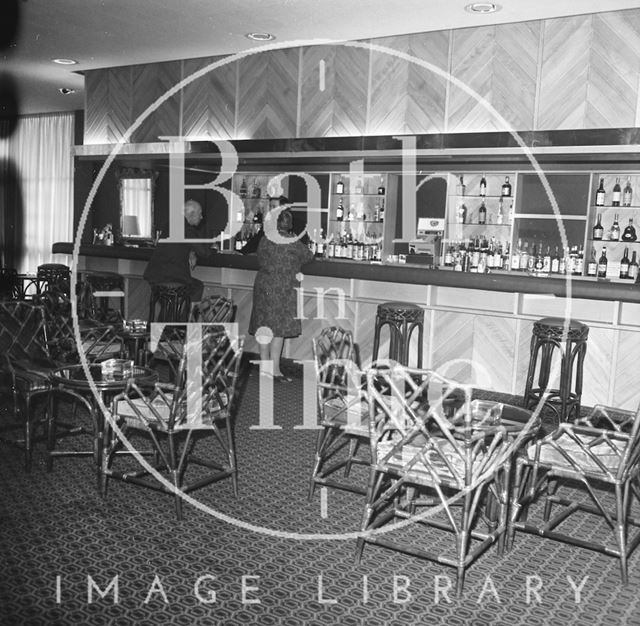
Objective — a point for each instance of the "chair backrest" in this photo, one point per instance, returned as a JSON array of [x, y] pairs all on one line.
[[23, 334], [426, 425], [169, 302], [206, 387], [213, 309], [55, 275], [8, 283]]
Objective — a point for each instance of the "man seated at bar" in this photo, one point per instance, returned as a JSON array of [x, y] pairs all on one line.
[[174, 262]]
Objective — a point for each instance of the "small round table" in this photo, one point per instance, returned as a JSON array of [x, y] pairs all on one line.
[[110, 378]]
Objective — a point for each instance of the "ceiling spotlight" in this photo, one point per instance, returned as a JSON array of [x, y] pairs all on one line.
[[260, 36], [482, 7], [65, 91], [65, 61]]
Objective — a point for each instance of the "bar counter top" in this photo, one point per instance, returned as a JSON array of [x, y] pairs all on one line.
[[512, 282]]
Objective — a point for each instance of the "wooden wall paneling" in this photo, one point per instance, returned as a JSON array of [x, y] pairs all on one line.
[[118, 103], [405, 96], [209, 102], [452, 349], [96, 114], [564, 73], [500, 64], [268, 95], [150, 82], [614, 67], [493, 351], [598, 362], [626, 391], [336, 106]]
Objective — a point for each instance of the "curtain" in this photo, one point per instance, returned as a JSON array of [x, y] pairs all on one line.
[[39, 153]]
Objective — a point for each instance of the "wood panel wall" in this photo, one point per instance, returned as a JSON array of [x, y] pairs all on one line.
[[567, 73]]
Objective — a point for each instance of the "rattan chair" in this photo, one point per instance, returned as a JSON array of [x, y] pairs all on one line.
[[344, 417], [174, 422], [591, 466], [440, 462]]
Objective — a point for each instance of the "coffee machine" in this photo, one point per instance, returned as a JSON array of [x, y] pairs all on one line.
[[427, 245]]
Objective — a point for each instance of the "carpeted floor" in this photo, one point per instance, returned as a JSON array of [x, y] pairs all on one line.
[[257, 559]]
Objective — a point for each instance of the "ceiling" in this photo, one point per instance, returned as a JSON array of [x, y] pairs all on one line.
[[108, 33]]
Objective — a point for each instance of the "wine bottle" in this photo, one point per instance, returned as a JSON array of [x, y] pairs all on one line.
[[629, 233], [546, 261], [602, 263], [515, 256], [592, 265], [320, 246], [506, 187], [524, 256], [633, 267], [598, 230], [482, 214], [600, 194], [555, 262], [462, 214], [624, 264], [340, 211], [614, 232], [483, 186], [340, 186], [243, 188], [461, 187], [381, 214], [381, 188], [627, 193], [500, 215], [579, 266], [617, 193]]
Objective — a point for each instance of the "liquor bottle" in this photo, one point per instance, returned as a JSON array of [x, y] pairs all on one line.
[[617, 193], [624, 264], [462, 214], [602, 263], [483, 186], [515, 256], [614, 232], [448, 256], [381, 214], [340, 187], [600, 194], [381, 188], [629, 233], [633, 267], [506, 187], [340, 211], [598, 230], [500, 215], [243, 188], [592, 265], [524, 256], [555, 262], [482, 214], [546, 261], [239, 242], [359, 188], [376, 213], [627, 193], [320, 246], [579, 267], [351, 215]]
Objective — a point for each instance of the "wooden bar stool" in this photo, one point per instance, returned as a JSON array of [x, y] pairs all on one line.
[[402, 318], [552, 338], [170, 302]]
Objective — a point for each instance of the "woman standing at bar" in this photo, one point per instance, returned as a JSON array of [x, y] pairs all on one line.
[[274, 314]]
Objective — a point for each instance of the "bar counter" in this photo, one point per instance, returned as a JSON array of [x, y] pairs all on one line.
[[477, 326]]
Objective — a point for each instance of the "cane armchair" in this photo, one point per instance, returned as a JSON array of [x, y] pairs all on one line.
[[440, 463], [175, 418], [342, 409], [591, 466]]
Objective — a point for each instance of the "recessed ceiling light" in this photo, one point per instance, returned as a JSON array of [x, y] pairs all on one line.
[[65, 61], [260, 36], [65, 91], [482, 7]]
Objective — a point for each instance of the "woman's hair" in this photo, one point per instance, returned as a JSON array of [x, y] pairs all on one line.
[[285, 221]]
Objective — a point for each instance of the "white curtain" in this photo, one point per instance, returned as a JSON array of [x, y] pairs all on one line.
[[41, 152]]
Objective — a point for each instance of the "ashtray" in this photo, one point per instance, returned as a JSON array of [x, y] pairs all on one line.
[[486, 411]]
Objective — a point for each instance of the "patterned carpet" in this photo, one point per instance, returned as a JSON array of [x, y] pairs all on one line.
[[61, 543]]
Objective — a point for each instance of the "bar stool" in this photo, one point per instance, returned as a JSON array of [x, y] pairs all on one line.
[[57, 274], [99, 287], [402, 318], [170, 302], [549, 339]]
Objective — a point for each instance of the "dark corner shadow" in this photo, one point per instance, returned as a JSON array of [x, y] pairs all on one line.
[[12, 235]]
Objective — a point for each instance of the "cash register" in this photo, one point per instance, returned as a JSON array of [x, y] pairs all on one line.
[[425, 248]]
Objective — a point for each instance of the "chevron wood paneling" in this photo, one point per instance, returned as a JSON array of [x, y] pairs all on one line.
[[452, 350], [614, 67], [339, 107], [406, 97], [626, 393], [598, 365], [268, 95], [562, 101], [96, 114], [209, 102], [499, 63], [119, 102], [493, 353], [149, 83]]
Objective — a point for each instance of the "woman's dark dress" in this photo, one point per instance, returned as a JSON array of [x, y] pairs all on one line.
[[274, 295]]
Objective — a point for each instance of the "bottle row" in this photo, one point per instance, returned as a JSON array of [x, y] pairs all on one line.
[[347, 246], [619, 196], [366, 185], [360, 212], [502, 214], [482, 190], [600, 268], [613, 233]]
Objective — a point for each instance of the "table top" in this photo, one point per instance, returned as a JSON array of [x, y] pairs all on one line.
[[104, 378]]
